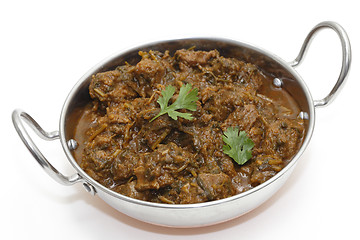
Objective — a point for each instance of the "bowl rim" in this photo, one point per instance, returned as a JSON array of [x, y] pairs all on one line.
[[88, 180]]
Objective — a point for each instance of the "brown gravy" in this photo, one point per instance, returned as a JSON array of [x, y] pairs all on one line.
[[182, 161]]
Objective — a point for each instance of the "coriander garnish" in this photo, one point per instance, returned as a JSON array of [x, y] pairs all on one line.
[[186, 100], [238, 145]]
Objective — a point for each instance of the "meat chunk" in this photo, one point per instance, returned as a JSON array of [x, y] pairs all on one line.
[[129, 190], [123, 164], [192, 193], [243, 117], [158, 169], [151, 70], [284, 137], [216, 186], [222, 102], [108, 86], [195, 58]]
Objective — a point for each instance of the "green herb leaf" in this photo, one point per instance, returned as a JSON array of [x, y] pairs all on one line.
[[186, 100], [238, 145]]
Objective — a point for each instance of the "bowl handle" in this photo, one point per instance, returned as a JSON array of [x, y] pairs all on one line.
[[346, 58], [18, 117]]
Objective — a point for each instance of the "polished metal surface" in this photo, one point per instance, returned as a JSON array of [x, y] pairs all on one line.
[[346, 58], [18, 118], [185, 215], [89, 188], [72, 144], [200, 214], [277, 82]]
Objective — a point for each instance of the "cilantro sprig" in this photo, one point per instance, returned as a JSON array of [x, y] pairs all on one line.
[[238, 145], [186, 100]]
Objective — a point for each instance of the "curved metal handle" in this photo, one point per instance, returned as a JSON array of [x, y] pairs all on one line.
[[18, 117], [346, 58]]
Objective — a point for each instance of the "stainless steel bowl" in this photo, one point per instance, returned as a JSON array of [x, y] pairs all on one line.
[[199, 214]]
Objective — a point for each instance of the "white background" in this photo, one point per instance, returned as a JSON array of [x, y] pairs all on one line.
[[46, 46]]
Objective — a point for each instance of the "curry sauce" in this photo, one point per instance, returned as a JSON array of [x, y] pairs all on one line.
[[182, 161]]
